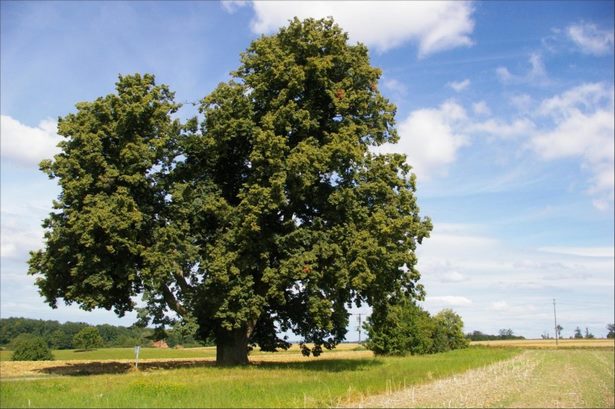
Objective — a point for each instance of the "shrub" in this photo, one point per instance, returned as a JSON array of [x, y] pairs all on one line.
[[30, 348]]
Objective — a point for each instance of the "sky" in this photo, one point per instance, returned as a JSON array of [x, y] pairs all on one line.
[[505, 112]]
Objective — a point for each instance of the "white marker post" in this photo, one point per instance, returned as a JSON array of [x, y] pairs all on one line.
[[137, 349]]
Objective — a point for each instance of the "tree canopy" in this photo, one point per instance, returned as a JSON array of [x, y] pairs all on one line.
[[270, 213]]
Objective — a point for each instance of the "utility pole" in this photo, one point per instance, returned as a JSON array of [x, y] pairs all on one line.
[[359, 327], [555, 318]]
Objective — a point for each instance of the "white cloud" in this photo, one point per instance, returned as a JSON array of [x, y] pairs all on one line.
[[591, 39], [452, 277], [522, 102], [18, 238], [452, 300], [231, 6], [434, 25], [583, 118], [394, 86], [481, 108], [430, 139], [606, 252], [26, 145], [519, 127], [459, 86], [537, 73]]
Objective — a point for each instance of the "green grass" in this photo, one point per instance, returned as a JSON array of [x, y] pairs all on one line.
[[309, 383]]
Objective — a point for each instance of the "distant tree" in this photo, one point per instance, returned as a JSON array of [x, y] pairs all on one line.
[[558, 330], [588, 335], [402, 328], [577, 333], [545, 335], [506, 333], [59, 339], [611, 329], [30, 348], [448, 331], [88, 338]]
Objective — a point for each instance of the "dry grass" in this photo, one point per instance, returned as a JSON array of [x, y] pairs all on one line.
[[549, 343], [41, 369]]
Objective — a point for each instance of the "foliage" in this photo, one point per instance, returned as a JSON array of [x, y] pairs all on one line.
[[273, 213], [88, 338], [404, 327], [30, 348], [60, 335], [401, 328], [611, 329], [448, 331]]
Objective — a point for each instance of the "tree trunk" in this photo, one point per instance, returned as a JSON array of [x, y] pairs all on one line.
[[232, 347]]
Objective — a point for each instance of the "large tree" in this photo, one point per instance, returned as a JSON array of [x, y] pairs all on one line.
[[271, 214]]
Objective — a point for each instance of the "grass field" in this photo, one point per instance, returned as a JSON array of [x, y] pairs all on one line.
[[502, 375], [298, 382]]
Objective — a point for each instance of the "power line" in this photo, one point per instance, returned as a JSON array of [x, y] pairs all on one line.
[[555, 318]]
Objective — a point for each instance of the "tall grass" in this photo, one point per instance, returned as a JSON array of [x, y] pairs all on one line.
[[311, 383]]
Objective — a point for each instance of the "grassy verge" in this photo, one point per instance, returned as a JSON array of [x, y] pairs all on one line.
[[311, 383]]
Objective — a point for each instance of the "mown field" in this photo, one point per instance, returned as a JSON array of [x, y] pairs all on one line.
[[549, 343], [501, 376]]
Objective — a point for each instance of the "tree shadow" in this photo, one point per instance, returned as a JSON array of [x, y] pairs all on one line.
[[114, 367], [322, 365]]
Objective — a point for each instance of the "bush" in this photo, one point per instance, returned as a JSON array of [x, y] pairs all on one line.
[[30, 348], [88, 338]]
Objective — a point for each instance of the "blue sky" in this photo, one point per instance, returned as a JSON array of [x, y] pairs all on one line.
[[505, 110]]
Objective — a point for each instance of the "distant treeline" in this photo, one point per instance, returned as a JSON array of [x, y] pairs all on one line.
[[60, 336], [503, 334]]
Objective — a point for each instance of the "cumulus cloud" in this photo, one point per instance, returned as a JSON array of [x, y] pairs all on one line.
[[429, 138], [583, 128], [536, 75], [518, 127], [459, 86], [590, 39], [27, 145], [433, 25]]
